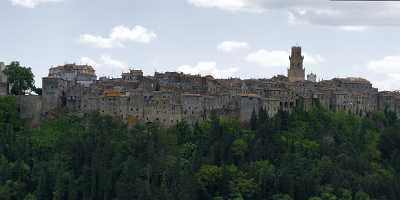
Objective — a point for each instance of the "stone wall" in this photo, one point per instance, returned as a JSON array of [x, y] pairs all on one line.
[[132, 103], [3, 77], [248, 105], [170, 97], [3, 80], [3, 89], [53, 93], [30, 109]]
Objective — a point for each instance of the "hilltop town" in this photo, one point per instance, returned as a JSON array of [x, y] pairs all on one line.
[[171, 97]]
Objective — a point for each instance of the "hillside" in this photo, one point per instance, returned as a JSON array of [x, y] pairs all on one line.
[[312, 155]]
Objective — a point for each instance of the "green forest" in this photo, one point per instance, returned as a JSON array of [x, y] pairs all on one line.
[[315, 155]]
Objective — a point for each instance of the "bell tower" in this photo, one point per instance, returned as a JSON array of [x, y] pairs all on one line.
[[296, 71]]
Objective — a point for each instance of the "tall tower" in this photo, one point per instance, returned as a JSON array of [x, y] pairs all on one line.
[[3, 77], [296, 71]]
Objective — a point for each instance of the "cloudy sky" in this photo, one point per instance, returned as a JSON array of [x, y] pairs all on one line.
[[224, 38]]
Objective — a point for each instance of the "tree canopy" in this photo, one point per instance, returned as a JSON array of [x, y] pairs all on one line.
[[315, 155], [19, 78]]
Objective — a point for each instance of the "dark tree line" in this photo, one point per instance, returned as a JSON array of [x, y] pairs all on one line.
[[315, 155]]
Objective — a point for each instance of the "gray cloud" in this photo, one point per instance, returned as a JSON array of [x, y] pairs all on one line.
[[327, 13]]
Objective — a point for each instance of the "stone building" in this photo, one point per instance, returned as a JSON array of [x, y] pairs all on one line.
[[62, 79], [170, 97], [83, 74], [3, 80], [133, 75], [296, 70], [389, 100]]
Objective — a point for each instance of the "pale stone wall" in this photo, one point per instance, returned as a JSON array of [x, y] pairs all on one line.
[[3, 77], [73, 72], [3, 80]]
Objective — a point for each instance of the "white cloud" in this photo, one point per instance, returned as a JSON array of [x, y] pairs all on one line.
[[208, 68], [354, 28], [106, 65], [278, 58], [268, 58], [136, 34], [98, 41], [347, 16], [229, 46], [109, 61], [88, 61], [118, 36], [231, 5], [313, 59], [387, 71], [31, 3], [389, 64]]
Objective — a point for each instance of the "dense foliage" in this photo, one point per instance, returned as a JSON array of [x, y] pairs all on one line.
[[316, 155], [20, 78]]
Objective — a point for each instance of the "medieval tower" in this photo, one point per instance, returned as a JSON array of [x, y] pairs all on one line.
[[296, 71]]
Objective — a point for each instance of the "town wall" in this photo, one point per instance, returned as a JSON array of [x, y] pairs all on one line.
[[171, 97], [30, 109]]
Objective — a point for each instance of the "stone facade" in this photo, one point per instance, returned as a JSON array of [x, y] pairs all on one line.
[[3, 80], [83, 74], [30, 109], [296, 71], [170, 97]]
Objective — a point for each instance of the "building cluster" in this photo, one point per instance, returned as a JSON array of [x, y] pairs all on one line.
[[171, 97]]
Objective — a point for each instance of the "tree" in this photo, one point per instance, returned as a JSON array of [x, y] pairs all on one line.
[[362, 196], [20, 78], [239, 148], [281, 197], [253, 120], [316, 155], [209, 178]]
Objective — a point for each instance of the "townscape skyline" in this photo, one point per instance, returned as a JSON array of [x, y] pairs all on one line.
[[238, 38]]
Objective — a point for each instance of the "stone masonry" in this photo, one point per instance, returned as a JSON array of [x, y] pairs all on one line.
[[3, 80], [170, 97]]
